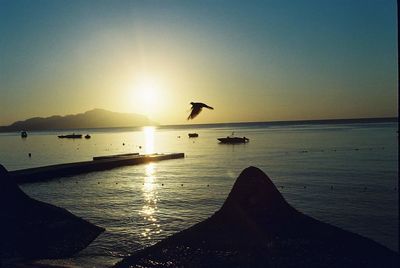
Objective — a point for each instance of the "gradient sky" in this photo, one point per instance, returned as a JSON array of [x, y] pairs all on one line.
[[251, 60]]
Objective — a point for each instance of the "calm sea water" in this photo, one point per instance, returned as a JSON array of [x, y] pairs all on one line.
[[140, 205]]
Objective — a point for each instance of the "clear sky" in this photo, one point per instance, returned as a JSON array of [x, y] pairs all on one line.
[[250, 60]]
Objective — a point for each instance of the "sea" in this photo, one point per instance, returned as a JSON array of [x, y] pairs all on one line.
[[343, 172]]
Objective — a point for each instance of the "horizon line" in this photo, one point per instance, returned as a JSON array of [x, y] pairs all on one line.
[[322, 121], [292, 121]]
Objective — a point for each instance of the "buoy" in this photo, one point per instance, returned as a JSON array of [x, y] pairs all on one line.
[[181, 184], [29, 154], [123, 144]]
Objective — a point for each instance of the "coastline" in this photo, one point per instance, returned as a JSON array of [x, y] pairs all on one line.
[[340, 121]]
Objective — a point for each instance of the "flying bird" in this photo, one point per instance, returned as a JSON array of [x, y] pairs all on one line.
[[196, 109]]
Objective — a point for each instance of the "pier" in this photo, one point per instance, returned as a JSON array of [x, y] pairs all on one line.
[[97, 164]]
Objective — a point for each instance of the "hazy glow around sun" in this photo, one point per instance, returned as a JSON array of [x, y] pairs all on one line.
[[146, 95], [147, 91]]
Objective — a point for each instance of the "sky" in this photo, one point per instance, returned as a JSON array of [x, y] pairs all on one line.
[[250, 60]]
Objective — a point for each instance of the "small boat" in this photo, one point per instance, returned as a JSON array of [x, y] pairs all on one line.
[[233, 140], [71, 136], [193, 135], [87, 136], [24, 134]]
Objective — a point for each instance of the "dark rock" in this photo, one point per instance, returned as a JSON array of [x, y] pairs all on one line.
[[31, 229], [256, 227]]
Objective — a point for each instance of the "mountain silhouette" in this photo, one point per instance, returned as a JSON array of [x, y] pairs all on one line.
[[96, 118]]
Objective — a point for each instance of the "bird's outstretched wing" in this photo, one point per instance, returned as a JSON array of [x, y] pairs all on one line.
[[195, 111], [206, 106]]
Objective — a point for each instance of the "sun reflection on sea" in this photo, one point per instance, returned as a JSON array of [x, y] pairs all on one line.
[[149, 139], [149, 209]]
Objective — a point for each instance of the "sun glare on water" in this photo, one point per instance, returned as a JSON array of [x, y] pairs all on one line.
[[149, 139], [150, 209]]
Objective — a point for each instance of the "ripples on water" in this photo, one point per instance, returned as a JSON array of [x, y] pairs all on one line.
[[342, 174]]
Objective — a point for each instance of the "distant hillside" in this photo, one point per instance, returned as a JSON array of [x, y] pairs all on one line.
[[96, 118]]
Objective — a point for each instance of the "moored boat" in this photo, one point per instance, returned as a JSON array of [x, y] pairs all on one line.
[[193, 135], [87, 136], [233, 140], [71, 136], [24, 134]]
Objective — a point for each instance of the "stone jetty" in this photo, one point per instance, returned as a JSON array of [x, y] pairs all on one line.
[[97, 164]]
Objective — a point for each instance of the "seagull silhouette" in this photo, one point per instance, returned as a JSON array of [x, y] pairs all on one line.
[[196, 109]]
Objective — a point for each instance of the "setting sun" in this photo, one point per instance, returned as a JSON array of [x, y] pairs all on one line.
[[146, 95], [147, 90]]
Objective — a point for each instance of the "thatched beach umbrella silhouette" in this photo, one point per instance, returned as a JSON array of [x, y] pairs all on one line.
[[196, 109]]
